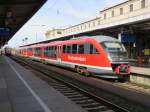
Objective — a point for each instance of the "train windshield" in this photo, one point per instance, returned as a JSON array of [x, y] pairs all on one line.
[[114, 47], [115, 51]]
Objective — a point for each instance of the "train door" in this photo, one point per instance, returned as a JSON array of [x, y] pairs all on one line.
[[59, 53]]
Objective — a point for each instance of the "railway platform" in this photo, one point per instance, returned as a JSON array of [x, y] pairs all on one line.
[[140, 75], [21, 91], [140, 70]]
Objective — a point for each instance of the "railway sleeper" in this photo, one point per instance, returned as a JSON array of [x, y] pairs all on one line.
[[79, 99], [90, 105], [65, 89], [69, 94], [98, 108], [85, 101], [59, 86], [76, 96], [62, 88]]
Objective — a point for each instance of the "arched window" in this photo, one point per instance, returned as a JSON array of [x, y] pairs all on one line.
[[142, 3], [121, 11], [131, 7], [105, 16], [112, 14]]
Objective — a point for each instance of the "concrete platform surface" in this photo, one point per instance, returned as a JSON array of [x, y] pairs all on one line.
[[21, 91], [140, 70]]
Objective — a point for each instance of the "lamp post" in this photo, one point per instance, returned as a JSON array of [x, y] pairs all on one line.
[[36, 36]]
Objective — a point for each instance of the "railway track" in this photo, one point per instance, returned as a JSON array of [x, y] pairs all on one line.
[[89, 101], [135, 87]]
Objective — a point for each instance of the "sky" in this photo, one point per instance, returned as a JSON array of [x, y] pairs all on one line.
[[58, 14]]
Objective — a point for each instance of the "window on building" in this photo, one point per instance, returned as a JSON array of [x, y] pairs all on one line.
[[93, 23], [112, 13], [131, 7], [58, 32], [142, 3], [121, 11], [99, 22], [105, 16], [74, 49], [89, 25]]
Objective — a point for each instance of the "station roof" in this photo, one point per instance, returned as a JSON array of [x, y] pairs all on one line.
[[14, 14]]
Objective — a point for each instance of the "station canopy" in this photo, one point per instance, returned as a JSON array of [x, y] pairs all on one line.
[[14, 14]]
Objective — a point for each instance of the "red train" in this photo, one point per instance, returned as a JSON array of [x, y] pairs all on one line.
[[7, 51], [101, 55]]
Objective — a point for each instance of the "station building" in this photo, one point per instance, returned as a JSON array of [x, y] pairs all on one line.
[[128, 21], [54, 33]]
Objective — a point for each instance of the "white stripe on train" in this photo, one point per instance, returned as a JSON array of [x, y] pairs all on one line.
[[64, 62]]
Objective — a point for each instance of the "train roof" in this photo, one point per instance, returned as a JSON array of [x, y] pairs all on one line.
[[98, 38], [103, 38]]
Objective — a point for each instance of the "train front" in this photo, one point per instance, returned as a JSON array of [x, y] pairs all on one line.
[[118, 57]]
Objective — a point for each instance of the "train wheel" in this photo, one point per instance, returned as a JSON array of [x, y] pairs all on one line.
[[82, 71], [86, 73], [78, 70]]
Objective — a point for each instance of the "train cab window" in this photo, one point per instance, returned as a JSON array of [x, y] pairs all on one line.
[[74, 49], [81, 49], [68, 49]]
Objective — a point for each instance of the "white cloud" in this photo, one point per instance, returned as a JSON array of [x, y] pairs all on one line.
[[71, 10]]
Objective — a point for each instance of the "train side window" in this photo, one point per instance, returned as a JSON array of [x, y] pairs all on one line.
[[74, 49], [87, 48], [81, 49], [52, 52], [37, 52], [64, 48], [68, 49], [29, 50], [93, 50], [46, 51]]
